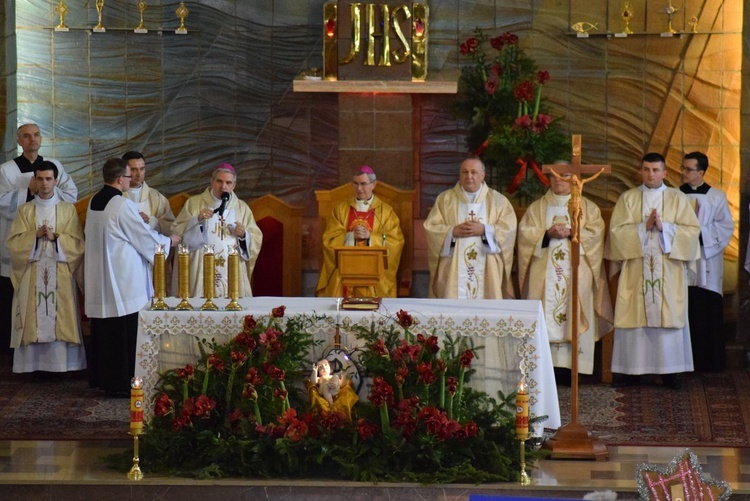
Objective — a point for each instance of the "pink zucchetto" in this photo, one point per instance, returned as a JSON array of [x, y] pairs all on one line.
[[226, 166], [366, 169]]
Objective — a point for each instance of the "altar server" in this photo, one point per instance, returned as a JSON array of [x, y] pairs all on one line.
[[45, 243], [217, 217], [471, 232], [365, 220], [152, 206], [119, 249], [705, 304], [653, 238]]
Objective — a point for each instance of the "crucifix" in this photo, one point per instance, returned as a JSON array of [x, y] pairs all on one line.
[[573, 440]]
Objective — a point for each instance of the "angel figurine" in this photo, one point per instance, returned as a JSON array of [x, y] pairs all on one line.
[[330, 392]]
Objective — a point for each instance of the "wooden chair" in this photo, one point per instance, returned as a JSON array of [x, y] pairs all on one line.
[[278, 270], [402, 203], [82, 207], [177, 202]]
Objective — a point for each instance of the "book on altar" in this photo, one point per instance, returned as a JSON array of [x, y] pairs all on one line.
[[361, 303]]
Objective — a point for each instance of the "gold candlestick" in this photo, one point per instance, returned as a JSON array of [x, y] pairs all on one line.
[[62, 11], [183, 277], [99, 8], [182, 12], [522, 426], [209, 277], [141, 28], [136, 425], [160, 283], [233, 268]]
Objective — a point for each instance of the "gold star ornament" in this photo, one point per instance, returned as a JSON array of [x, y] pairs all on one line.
[[681, 480]]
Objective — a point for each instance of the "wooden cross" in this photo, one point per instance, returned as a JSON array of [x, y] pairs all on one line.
[[573, 440]]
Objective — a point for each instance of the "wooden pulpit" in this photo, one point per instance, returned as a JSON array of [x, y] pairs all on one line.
[[360, 266]]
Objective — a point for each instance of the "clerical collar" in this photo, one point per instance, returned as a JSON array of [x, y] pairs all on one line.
[[26, 165], [471, 197], [135, 193], [645, 188], [46, 202], [697, 190], [217, 201], [363, 205], [561, 199]]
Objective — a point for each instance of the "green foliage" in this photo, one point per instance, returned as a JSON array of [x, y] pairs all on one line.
[[230, 415]]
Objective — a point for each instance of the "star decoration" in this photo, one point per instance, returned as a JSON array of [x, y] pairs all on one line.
[[683, 473]]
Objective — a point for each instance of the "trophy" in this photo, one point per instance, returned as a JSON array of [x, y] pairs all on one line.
[[160, 283], [141, 28], [182, 12], [233, 269], [183, 277], [99, 28], [627, 16], [62, 11], [209, 277], [670, 10]]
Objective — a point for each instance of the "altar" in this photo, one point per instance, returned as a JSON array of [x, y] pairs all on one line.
[[511, 333]]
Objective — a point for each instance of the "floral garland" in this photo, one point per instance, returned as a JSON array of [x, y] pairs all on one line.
[[240, 411], [510, 128]]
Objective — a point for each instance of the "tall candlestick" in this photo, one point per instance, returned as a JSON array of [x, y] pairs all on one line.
[[160, 283], [136, 424], [183, 277], [522, 426], [209, 277], [233, 269]]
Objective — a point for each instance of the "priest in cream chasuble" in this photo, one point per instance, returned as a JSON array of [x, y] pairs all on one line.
[[653, 238], [471, 232], [364, 221], [544, 272]]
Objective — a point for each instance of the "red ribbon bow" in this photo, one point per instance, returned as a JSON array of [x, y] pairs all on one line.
[[521, 174]]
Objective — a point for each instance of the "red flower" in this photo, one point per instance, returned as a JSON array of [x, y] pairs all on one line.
[[365, 429], [252, 377], [497, 42], [440, 366], [425, 373], [404, 319], [451, 383], [510, 38], [432, 344], [236, 415], [186, 372], [524, 91], [250, 323], [523, 122], [296, 431], [249, 392], [471, 429], [401, 374], [542, 77], [497, 70], [469, 46], [238, 357], [274, 372], [163, 405], [216, 362], [246, 340], [378, 347], [278, 312], [279, 393], [381, 392], [466, 358], [204, 406], [542, 122], [180, 422]]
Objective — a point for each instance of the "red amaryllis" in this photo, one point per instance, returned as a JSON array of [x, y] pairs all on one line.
[[275, 372], [366, 429], [523, 122], [252, 377], [542, 77], [381, 392], [451, 384], [236, 415], [471, 429], [497, 42], [491, 85], [250, 323], [378, 347], [404, 319], [466, 358], [426, 375], [278, 312], [246, 340], [497, 70], [401, 374], [469, 46], [279, 393], [440, 366], [510, 38], [542, 122], [181, 422], [524, 91], [216, 362], [204, 406], [186, 372], [432, 345], [249, 392], [238, 357], [163, 405], [296, 431]]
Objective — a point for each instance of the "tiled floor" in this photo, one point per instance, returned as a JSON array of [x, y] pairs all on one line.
[[55, 462]]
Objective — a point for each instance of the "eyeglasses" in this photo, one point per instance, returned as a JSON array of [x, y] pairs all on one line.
[[127, 176], [688, 169], [360, 185]]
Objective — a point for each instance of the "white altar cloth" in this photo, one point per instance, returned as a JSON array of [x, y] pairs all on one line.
[[513, 333]]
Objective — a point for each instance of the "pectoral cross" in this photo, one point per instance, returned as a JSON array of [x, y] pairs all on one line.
[[574, 436], [472, 216]]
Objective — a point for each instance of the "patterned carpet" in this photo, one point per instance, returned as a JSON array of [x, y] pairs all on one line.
[[64, 409], [709, 409]]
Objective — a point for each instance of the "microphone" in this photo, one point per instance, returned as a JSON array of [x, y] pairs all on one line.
[[224, 200]]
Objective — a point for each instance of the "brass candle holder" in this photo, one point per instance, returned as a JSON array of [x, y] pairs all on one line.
[[182, 12], [183, 277], [141, 28], [160, 282], [209, 277], [233, 269], [99, 28], [522, 427], [136, 425], [62, 10]]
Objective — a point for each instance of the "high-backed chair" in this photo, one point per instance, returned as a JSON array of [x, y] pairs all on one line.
[[82, 207], [402, 203], [278, 270], [177, 202]]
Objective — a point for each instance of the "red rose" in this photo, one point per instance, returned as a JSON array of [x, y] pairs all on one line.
[[278, 312]]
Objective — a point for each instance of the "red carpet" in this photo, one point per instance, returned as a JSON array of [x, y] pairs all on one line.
[[59, 410], [709, 409]]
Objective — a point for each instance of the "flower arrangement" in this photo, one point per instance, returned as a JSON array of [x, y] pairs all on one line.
[[241, 411], [510, 127]]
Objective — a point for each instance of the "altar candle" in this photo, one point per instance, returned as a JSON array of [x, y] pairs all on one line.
[[160, 284], [522, 411], [136, 406], [233, 270], [209, 272], [183, 271]]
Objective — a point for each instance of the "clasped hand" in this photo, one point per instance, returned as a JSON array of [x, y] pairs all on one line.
[[360, 232], [45, 231], [468, 229], [558, 231], [653, 220]]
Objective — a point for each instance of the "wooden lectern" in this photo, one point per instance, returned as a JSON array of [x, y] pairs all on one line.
[[360, 266]]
